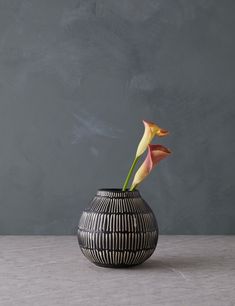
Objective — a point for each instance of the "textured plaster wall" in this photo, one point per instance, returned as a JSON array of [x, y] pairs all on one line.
[[77, 78]]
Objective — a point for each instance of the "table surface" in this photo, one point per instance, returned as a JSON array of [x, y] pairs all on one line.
[[184, 271]]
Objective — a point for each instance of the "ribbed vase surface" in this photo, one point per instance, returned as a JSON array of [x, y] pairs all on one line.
[[118, 229]]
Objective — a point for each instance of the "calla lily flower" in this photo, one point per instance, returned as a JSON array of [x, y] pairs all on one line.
[[155, 154], [151, 130]]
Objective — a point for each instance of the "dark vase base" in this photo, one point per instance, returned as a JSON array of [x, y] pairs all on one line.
[[115, 266]]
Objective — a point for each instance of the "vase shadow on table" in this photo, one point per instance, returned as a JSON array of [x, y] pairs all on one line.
[[189, 262]]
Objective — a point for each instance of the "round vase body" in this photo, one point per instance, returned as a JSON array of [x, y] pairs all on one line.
[[118, 229]]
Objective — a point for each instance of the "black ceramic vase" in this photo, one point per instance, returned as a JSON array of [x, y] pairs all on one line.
[[118, 229]]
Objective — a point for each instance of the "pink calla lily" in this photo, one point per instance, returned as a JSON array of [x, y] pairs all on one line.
[[155, 154]]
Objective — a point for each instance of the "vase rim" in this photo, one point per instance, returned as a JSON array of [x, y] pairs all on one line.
[[117, 192]]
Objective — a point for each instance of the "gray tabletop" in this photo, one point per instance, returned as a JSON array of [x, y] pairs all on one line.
[[50, 270]]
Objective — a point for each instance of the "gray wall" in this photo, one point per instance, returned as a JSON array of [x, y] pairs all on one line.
[[77, 78]]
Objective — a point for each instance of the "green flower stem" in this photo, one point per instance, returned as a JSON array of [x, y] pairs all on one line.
[[133, 188], [130, 173]]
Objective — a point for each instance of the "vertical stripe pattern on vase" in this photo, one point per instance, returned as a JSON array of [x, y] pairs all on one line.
[[118, 229]]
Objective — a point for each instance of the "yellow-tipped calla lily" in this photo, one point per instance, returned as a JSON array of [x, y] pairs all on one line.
[[155, 154], [151, 130]]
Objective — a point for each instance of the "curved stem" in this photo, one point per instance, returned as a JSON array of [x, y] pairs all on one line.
[[130, 173]]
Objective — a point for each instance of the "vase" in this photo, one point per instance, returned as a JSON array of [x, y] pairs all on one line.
[[118, 229]]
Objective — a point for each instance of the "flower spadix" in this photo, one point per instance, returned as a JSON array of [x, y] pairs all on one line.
[[151, 130], [155, 154]]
